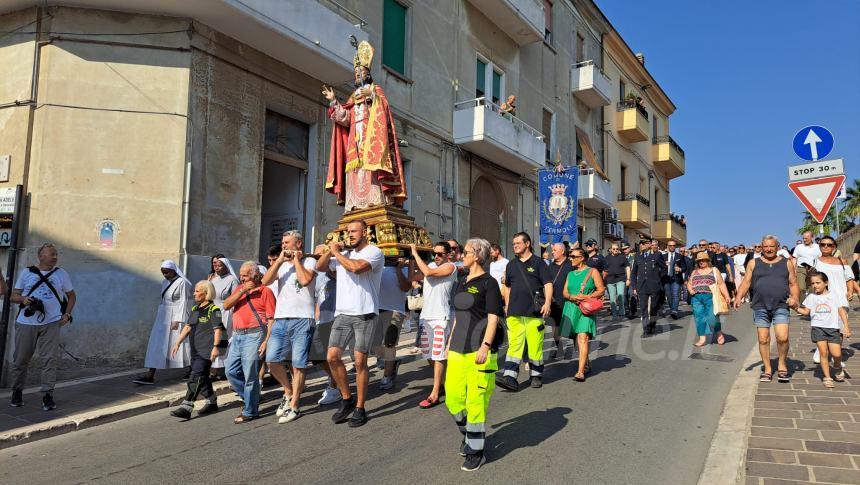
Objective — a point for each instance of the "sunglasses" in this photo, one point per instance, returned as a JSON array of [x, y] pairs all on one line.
[[827, 245], [440, 254]]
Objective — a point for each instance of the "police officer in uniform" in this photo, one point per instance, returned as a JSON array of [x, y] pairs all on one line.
[[646, 275]]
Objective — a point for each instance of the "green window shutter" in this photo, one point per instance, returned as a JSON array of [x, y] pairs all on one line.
[[497, 87], [394, 36], [480, 78]]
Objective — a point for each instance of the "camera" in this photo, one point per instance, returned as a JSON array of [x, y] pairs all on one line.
[[36, 305]]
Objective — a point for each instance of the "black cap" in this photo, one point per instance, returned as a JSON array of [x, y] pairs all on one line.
[[591, 242]]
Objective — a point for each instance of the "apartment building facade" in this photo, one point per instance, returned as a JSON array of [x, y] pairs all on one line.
[[178, 130]]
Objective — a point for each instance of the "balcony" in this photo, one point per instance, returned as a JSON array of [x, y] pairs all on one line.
[[669, 227], [500, 138], [668, 156], [590, 85], [594, 191], [522, 20], [310, 35], [634, 211], [631, 121]]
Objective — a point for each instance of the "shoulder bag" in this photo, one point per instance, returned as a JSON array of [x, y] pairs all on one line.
[[414, 302], [589, 305], [721, 307]]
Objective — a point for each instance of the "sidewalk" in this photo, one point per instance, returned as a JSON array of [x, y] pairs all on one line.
[[801, 432], [84, 403]]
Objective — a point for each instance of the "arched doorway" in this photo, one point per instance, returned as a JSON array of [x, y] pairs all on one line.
[[487, 214]]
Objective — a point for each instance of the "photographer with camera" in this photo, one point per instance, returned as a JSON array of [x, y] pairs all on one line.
[[47, 299]]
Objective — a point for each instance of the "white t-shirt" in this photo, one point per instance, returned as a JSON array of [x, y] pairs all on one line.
[[784, 253], [807, 254], [497, 269], [59, 280], [293, 299], [825, 310], [325, 295], [837, 278], [437, 295], [358, 294], [390, 296], [739, 263]]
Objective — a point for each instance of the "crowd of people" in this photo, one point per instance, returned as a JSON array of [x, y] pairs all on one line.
[[305, 310]]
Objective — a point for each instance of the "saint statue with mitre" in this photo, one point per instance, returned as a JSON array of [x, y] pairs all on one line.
[[364, 167]]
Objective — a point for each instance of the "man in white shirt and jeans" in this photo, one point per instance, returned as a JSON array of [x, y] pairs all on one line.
[[40, 290], [291, 335], [359, 275], [805, 255]]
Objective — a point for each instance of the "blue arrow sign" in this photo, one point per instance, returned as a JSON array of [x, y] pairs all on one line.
[[813, 143]]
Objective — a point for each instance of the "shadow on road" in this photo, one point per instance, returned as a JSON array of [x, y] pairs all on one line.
[[530, 429]]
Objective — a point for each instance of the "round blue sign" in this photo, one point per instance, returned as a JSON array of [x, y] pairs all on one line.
[[813, 143]]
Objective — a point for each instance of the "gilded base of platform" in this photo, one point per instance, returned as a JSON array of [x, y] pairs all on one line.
[[391, 229]]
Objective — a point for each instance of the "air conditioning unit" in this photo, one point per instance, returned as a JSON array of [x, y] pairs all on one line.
[[610, 214], [608, 229], [619, 230]]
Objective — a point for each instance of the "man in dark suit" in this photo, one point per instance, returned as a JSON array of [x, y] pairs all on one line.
[[673, 278], [646, 277]]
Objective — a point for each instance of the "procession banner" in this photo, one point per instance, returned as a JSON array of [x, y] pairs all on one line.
[[557, 195]]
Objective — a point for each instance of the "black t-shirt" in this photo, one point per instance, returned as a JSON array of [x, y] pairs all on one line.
[[558, 276], [597, 262], [615, 265], [203, 322], [476, 299], [525, 278], [720, 261]]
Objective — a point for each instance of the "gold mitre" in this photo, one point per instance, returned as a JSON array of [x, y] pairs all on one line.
[[363, 55]]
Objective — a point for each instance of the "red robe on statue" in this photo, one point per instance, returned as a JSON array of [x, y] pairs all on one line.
[[378, 152]]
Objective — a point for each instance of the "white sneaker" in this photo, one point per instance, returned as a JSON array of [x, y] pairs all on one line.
[[386, 383], [290, 416], [330, 396], [282, 408]]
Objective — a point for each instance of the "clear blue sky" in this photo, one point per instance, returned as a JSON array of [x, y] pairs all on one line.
[[746, 76]]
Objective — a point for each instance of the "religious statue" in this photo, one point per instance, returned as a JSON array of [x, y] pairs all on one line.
[[364, 167]]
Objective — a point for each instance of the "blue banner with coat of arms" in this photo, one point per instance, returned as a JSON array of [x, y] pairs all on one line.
[[557, 195]]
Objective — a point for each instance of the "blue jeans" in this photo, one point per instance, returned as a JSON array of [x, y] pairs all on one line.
[[243, 367], [672, 291], [616, 297]]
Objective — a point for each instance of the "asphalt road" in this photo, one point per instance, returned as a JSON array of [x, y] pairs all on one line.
[[646, 415]]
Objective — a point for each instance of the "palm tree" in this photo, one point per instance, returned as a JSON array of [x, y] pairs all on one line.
[[810, 224], [850, 209]]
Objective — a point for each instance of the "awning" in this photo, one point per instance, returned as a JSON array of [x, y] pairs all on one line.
[[582, 137]]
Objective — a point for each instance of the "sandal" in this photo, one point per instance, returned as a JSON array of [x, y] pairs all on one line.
[[765, 377], [243, 419], [828, 383], [839, 374], [579, 377], [427, 403], [783, 376], [700, 343]]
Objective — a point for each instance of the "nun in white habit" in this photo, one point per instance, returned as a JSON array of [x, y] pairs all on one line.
[[173, 311], [225, 281]]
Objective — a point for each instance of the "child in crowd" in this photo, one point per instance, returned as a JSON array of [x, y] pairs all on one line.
[[825, 311]]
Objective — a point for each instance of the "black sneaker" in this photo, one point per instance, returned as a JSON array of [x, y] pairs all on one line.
[[359, 417], [17, 399], [536, 382], [48, 403], [144, 380], [473, 462], [208, 408], [463, 447], [347, 406], [508, 383], [181, 412]]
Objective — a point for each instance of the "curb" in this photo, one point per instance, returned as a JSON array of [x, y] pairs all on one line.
[[86, 420], [727, 454]]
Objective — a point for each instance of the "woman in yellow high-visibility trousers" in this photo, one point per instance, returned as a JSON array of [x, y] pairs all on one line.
[[472, 352]]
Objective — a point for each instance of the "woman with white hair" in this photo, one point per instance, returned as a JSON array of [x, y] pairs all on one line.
[[472, 353], [208, 340], [173, 311], [225, 281]]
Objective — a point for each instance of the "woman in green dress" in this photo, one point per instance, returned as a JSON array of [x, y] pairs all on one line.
[[574, 323]]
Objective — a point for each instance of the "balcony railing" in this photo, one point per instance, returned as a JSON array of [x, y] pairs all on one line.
[[345, 13], [672, 217], [634, 196], [632, 103], [482, 101], [668, 139]]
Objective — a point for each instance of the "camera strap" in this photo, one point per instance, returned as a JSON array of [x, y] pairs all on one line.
[[44, 279]]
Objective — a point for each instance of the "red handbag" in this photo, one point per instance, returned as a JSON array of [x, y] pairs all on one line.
[[589, 306]]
